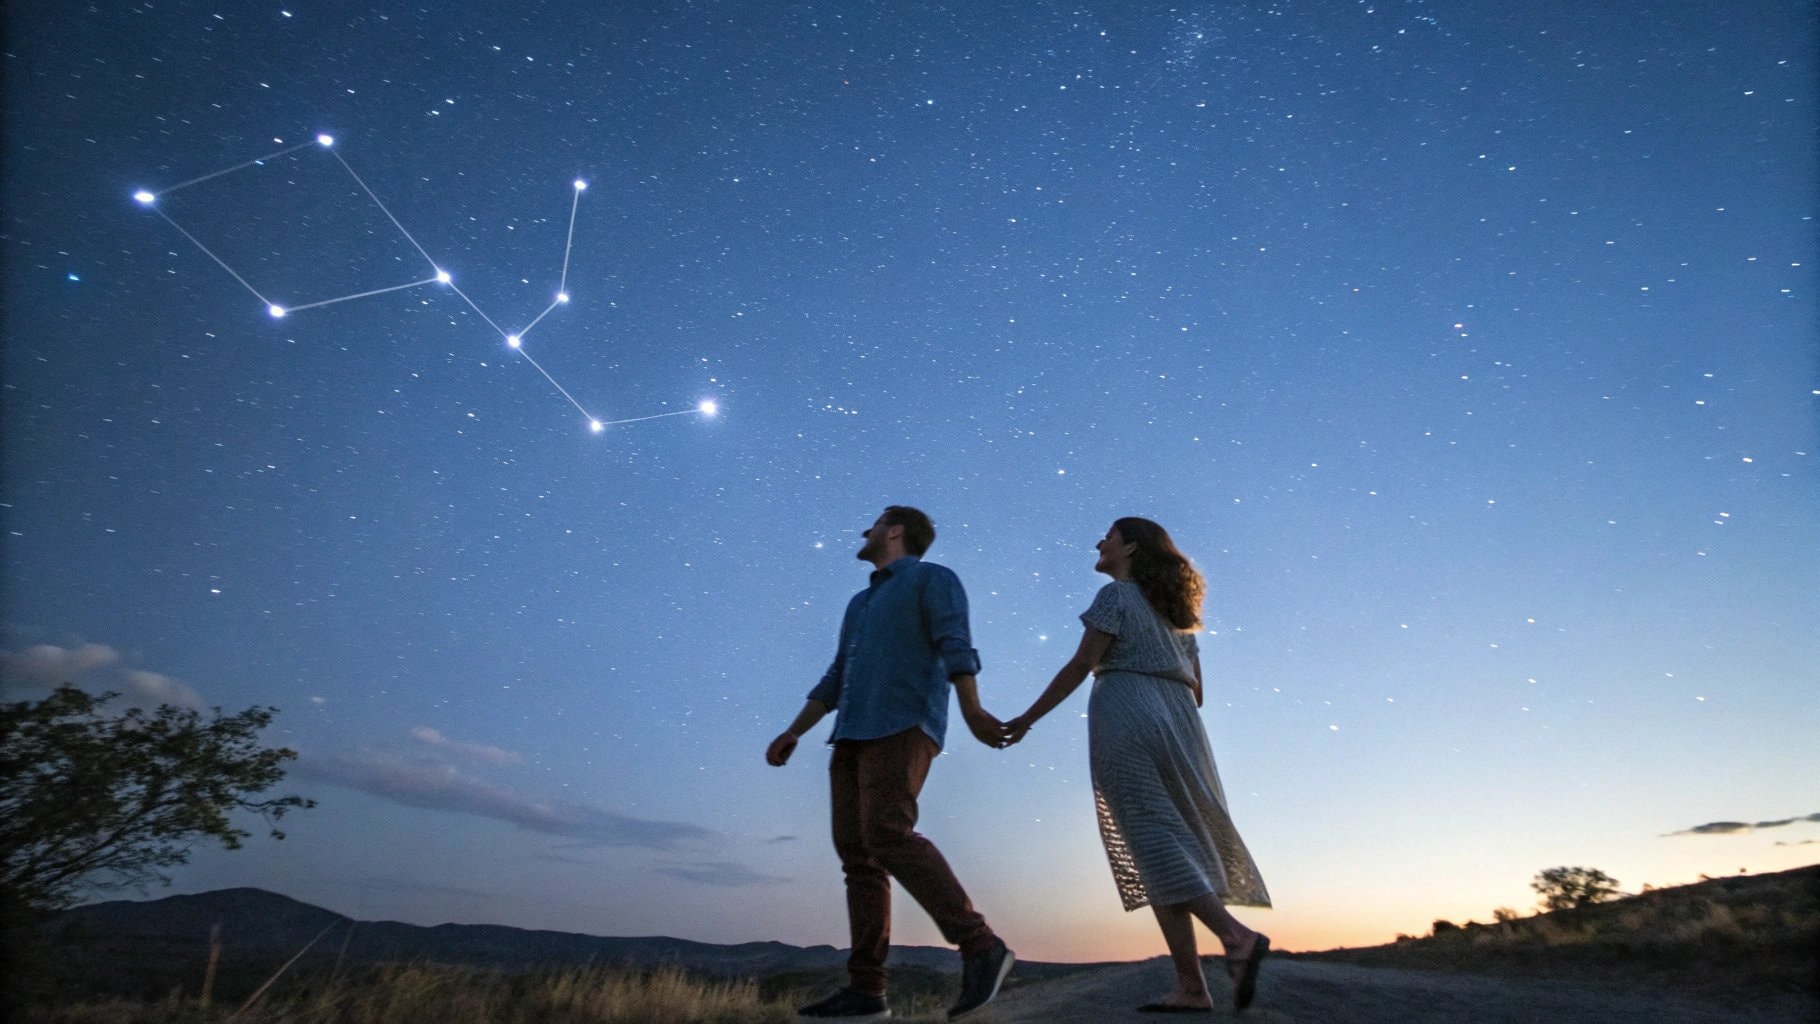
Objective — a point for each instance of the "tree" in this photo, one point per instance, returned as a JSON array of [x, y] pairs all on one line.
[[94, 800], [1562, 888]]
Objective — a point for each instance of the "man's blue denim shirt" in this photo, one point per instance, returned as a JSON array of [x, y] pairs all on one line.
[[901, 639]]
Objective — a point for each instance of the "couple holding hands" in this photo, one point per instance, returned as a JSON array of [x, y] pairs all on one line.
[[1162, 814]]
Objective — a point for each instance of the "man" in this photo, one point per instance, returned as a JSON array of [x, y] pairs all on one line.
[[903, 643]]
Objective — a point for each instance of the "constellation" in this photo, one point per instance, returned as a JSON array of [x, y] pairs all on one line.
[[515, 340]]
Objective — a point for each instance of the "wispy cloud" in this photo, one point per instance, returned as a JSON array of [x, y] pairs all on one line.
[[472, 751], [93, 667], [47, 665], [437, 786], [719, 873], [1727, 828], [142, 687]]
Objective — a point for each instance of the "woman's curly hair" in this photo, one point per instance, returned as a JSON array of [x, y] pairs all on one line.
[[1168, 580]]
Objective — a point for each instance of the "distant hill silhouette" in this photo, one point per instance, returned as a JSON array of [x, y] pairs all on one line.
[[1742, 933], [258, 924]]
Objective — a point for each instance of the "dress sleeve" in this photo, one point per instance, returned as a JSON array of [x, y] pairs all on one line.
[[1107, 612], [1191, 645]]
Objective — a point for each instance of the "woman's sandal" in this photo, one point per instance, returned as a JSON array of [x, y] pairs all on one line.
[[1245, 973]]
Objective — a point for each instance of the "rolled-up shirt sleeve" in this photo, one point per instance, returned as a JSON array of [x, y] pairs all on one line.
[[828, 690], [945, 609]]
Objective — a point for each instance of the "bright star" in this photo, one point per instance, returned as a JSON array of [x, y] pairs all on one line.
[[276, 311], [145, 198], [708, 407], [325, 140]]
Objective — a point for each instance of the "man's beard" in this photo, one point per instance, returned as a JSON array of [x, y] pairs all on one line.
[[868, 550]]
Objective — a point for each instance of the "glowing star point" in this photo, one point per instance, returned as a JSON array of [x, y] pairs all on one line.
[[596, 426], [144, 198], [580, 185], [276, 310], [562, 296], [514, 341], [708, 407], [325, 141], [443, 276]]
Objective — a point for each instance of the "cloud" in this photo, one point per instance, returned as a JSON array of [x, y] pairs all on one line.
[[1726, 828], [436, 786], [718, 873], [142, 687], [473, 751], [47, 665]]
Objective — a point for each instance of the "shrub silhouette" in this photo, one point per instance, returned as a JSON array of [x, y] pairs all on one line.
[[1562, 888]]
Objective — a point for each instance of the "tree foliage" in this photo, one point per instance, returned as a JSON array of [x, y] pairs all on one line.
[[1562, 888], [91, 799]]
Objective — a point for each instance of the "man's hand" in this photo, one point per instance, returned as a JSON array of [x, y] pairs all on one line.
[[780, 749], [985, 728]]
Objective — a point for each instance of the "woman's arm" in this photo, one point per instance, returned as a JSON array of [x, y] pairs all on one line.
[[1086, 657]]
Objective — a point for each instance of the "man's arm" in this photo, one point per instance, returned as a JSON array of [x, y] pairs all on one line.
[[983, 726], [945, 611], [781, 748]]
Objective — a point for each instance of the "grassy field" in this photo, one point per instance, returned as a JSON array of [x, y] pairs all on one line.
[[427, 993], [439, 994]]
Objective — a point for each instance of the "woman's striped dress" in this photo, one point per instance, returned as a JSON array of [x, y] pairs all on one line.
[[1162, 812]]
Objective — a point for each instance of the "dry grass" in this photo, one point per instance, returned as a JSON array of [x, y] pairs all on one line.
[[437, 994], [1756, 934]]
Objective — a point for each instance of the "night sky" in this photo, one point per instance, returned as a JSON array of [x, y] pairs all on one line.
[[1469, 349]]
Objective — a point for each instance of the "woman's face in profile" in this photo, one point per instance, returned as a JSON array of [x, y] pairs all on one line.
[[1115, 554]]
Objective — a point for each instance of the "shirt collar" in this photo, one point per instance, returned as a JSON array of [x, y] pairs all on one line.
[[881, 575]]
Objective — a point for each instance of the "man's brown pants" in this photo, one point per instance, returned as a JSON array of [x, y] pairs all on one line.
[[874, 785]]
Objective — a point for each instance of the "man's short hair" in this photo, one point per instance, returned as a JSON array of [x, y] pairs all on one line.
[[919, 532]]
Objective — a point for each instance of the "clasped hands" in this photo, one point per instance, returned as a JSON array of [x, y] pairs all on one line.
[[994, 733]]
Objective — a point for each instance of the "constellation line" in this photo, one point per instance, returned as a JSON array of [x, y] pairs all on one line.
[[211, 255], [563, 287], [362, 295], [540, 316], [236, 167], [477, 309], [439, 276], [382, 208], [705, 409]]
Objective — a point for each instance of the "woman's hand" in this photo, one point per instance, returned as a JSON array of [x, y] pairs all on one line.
[[1018, 728]]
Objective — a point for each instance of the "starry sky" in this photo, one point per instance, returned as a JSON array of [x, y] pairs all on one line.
[[1469, 349]]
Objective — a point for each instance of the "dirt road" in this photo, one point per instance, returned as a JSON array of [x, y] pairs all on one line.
[[1305, 992]]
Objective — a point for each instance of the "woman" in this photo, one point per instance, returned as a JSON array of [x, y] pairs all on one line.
[[1162, 812]]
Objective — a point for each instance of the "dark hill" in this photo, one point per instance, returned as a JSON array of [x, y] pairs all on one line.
[[259, 924]]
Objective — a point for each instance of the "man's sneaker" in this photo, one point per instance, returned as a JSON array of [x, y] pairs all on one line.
[[847, 1005], [981, 975]]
